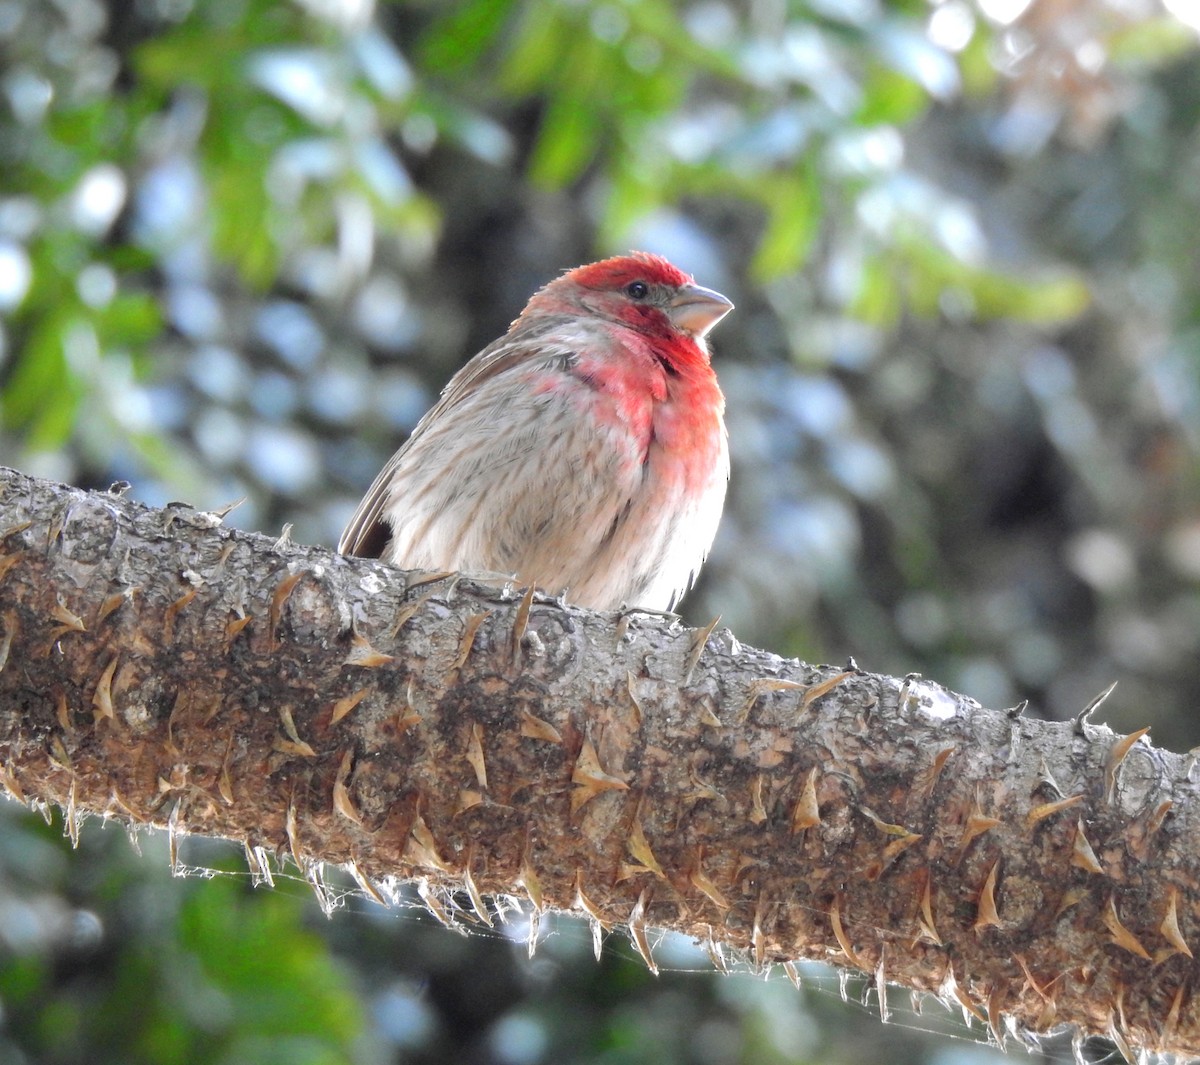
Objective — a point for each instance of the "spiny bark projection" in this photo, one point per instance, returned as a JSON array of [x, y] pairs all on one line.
[[161, 670]]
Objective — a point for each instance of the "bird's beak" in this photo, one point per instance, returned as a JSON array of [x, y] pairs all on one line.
[[696, 310]]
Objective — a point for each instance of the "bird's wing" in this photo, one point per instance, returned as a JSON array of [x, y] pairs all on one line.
[[367, 533]]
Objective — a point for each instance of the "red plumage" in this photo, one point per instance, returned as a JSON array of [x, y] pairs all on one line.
[[616, 273]]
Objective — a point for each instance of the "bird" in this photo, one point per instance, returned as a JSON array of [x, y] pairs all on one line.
[[583, 452]]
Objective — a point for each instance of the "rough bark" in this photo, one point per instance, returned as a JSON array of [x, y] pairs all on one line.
[[162, 670]]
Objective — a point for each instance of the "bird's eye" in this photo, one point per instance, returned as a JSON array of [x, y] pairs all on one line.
[[637, 290]]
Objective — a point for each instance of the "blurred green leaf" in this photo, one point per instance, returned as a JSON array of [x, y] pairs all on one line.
[[659, 20], [1044, 300], [279, 979], [629, 198], [457, 41], [1152, 42], [975, 64], [544, 39], [793, 216], [132, 319], [878, 300], [22, 980], [41, 396], [568, 141], [241, 208], [890, 98]]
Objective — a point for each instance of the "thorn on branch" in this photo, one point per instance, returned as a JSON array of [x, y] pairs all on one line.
[[475, 754], [807, 813], [758, 938], [637, 932], [221, 513], [520, 624], [115, 602], [925, 921], [1049, 809], [8, 561], [816, 691], [10, 632], [282, 591], [432, 577], [477, 903], [344, 705], [839, 933], [986, 914], [62, 712], [631, 687], [758, 811], [1070, 897], [224, 780], [699, 641], [590, 779], [470, 630], [342, 802], [1116, 757], [701, 882], [1121, 935], [365, 883], [535, 728], [1082, 718], [586, 904], [362, 654], [173, 611], [69, 621], [102, 699], [793, 974], [640, 848], [977, 824], [424, 847], [926, 779], [881, 986], [1169, 929], [434, 905], [467, 797], [407, 613], [297, 745], [233, 627], [1082, 854], [1155, 821], [531, 882], [759, 687]]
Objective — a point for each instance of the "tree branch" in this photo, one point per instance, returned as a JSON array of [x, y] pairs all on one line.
[[161, 670]]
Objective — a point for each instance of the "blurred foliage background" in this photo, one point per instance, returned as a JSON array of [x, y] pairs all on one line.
[[244, 242]]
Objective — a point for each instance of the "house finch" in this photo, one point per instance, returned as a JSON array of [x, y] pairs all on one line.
[[583, 452]]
